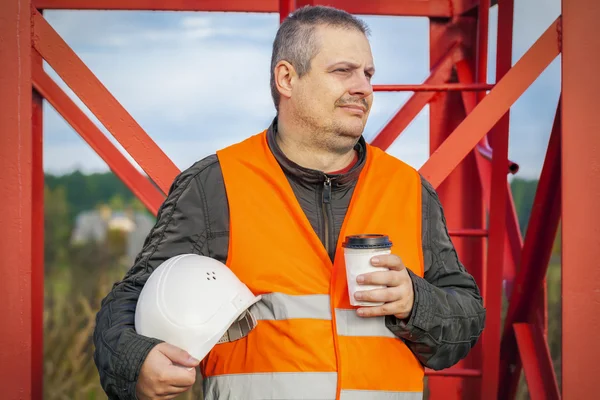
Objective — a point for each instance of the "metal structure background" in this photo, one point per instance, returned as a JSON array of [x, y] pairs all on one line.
[[469, 123]]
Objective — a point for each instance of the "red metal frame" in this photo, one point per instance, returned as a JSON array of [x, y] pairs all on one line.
[[468, 167], [498, 204], [460, 193], [424, 87], [537, 362], [148, 194], [580, 193], [285, 8], [415, 8], [537, 249], [100, 102], [16, 202], [37, 230], [483, 156], [492, 108]]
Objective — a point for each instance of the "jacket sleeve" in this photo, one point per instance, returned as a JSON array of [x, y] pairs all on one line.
[[180, 228], [448, 314]]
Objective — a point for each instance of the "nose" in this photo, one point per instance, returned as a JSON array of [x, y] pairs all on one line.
[[361, 85]]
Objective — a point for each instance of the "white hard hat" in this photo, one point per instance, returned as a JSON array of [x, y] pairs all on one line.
[[194, 302]]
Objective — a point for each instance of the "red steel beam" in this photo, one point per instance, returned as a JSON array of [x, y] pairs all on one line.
[[396, 125], [580, 198], [460, 7], [417, 8], [492, 107], [513, 239], [537, 363], [461, 193], [498, 205], [148, 194], [495, 257], [443, 87], [470, 100], [541, 233], [514, 242], [15, 200], [285, 8], [258, 6], [483, 17], [468, 232], [102, 103], [37, 230]]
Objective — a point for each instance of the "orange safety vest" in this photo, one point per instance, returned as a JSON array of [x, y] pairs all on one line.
[[309, 342]]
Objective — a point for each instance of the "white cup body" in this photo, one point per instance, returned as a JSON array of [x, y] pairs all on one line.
[[358, 262]]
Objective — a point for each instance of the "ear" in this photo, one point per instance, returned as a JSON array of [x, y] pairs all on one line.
[[285, 76]]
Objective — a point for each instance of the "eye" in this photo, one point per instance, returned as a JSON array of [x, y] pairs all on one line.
[[342, 70]]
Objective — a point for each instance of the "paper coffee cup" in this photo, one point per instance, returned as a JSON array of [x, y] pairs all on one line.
[[358, 251]]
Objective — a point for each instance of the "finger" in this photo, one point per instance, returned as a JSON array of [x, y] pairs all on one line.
[[379, 295], [386, 278], [174, 391], [386, 309], [177, 376], [390, 261], [178, 355]]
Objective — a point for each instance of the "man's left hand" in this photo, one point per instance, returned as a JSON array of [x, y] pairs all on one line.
[[398, 296]]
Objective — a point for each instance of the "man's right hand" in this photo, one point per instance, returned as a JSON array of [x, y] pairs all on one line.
[[167, 372]]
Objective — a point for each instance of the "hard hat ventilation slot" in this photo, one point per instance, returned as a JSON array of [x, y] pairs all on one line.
[[211, 275]]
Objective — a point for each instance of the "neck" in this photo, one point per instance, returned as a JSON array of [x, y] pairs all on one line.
[[306, 154]]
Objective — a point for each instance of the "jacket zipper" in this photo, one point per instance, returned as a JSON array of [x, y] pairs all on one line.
[[326, 201], [326, 221]]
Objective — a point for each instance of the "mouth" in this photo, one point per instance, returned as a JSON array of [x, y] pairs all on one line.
[[355, 108]]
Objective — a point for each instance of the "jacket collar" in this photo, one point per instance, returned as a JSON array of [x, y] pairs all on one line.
[[312, 176]]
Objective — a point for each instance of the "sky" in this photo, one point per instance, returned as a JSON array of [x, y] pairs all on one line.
[[197, 82]]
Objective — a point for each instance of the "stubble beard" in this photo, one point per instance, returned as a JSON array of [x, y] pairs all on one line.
[[331, 137]]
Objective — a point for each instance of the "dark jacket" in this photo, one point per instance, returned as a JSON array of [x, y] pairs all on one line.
[[447, 318]]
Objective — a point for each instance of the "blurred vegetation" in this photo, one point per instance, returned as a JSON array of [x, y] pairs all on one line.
[[79, 276], [86, 192]]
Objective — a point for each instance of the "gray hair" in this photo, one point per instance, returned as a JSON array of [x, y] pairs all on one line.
[[296, 43]]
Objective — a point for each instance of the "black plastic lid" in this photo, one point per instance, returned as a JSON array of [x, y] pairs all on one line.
[[367, 241]]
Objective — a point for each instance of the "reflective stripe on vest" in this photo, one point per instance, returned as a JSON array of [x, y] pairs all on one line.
[[280, 306], [270, 386], [303, 385], [309, 341]]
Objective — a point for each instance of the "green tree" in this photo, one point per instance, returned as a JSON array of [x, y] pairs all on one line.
[[523, 192], [137, 206], [86, 192], [57, 226], [116, 202]]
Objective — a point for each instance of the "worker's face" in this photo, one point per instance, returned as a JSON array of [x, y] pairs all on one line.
[[336, 95]]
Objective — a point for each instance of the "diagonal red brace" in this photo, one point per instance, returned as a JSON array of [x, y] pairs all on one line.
[[442, 87], [537, 362], [537, 249], [149, 195], [102, 103], [489, 111], [395, 126]]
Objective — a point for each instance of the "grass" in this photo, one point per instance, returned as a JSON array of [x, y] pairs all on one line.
[[72, 299]]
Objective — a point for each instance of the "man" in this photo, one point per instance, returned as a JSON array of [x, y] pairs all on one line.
[[275, 208]]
